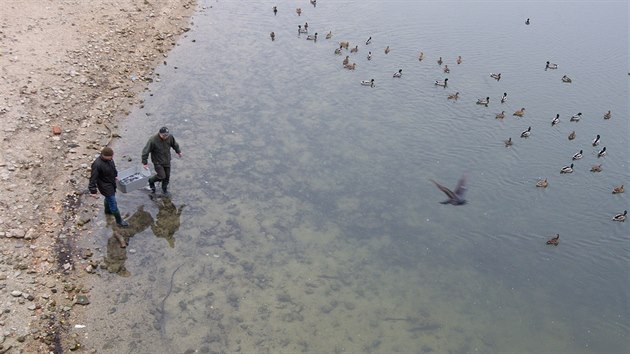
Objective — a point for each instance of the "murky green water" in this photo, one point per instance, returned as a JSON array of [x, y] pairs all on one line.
[[303, 218]]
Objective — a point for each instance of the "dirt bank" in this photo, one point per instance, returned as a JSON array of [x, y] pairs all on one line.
[[69, 72]]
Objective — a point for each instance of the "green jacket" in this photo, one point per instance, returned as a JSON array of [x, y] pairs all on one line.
[[160, 150]]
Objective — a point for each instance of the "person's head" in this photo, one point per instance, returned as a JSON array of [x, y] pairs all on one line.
[[164, 133], [107, 153]]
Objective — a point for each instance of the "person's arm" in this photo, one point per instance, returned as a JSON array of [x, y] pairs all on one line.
[[93, 178], [175, 146], [145, 154]]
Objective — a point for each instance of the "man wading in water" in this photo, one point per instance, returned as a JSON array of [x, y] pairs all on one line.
[[159, 146]]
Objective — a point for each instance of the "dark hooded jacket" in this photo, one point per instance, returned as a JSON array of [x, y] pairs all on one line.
[[103, 177]]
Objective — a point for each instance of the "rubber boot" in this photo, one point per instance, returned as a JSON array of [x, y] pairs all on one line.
[[107, 211], [165, 190], [119, 219]]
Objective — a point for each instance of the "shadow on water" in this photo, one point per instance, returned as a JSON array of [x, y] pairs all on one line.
[[303, 213]]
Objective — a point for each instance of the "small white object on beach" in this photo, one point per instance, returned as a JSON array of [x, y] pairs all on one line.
[[79, 326]]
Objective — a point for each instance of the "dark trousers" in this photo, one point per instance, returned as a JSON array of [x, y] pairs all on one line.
[[163, 174]]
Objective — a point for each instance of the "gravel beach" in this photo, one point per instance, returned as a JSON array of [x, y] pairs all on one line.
[[70, 71]]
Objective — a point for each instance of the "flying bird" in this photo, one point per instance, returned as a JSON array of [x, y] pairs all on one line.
[[457, 197]]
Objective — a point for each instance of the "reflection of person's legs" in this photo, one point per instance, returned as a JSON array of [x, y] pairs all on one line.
[[113, 209]]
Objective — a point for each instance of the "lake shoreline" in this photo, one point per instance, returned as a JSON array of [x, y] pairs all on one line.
[[72, 71]]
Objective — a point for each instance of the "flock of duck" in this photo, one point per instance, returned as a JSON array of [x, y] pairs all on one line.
[[458, 199]]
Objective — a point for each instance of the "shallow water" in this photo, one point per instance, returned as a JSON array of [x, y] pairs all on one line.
[[308, 221]]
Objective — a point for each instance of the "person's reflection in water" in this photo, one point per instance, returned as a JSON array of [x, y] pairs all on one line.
[[117, 244], [167, 220]]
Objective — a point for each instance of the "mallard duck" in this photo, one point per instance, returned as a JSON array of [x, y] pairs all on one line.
[[312, 37], [298, 11], [576, 117], [275, 10], [459, 59], [618, 190], [302, 30], [273, 36], [369, 40], [398, 73], [596, 140], [566, 79], [542, 183], [567, 169], [329, 35], [387, 50], [484, 101], [314, 2], [577, 155], [555, 120], [355, 49], [368, 83], [338, 51], [446, 69], [508, 142], [519, 113], [453, 96], [527, 22], [420, 56], [306, 26], [440, 61], [607, 115], [369, 56], [500, 115], [526, 133], [496, 76], [551, 65], [504, 98], [441, 83], [350, 66], [596, 168], [346, 60], [572, 135], [344, 44], [620, 217], [554, 240], [602, 152]]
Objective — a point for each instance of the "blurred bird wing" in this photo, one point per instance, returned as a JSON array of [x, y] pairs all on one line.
[[446, 191], [460, 190]]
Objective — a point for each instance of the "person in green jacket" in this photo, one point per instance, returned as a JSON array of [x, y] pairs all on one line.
[[159, 146]]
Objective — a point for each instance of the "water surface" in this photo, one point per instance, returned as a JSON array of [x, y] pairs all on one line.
[[308, 221]]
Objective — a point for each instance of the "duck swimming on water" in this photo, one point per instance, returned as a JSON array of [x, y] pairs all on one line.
[[576, 117], [577, 155], [504, 98], [567, 169], [554, 240], [551, 66], [555, 120], [398, 73], [368, 83], [618, 190], [620, 217], [484, 101], [500, 115], [441, 83], [542, 183], [596, 140], [453, 96], [526, 133], [572, 135], [496, 76]]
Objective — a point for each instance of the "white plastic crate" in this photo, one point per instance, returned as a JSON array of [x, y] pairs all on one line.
[[132, 179]]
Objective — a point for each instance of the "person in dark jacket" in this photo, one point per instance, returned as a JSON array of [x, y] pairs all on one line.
[[159, 146], [103, 180]]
